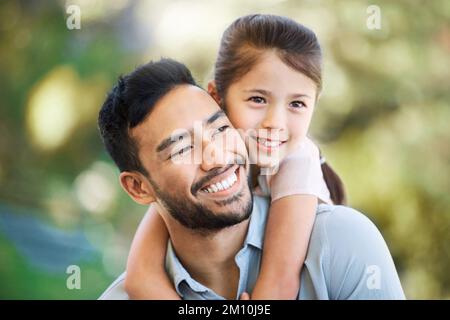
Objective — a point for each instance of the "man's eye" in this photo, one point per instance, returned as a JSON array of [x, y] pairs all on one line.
[[257, 99], [297, 104], [181, 152], [223, 128], [220, 130]]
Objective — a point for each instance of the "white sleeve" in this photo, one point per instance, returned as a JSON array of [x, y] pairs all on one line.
[[300, 173]]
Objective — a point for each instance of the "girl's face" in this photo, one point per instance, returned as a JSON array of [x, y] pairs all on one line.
[[272, 105]]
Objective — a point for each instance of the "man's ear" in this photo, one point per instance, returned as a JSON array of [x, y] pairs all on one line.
[[138, 187], [212, 90]]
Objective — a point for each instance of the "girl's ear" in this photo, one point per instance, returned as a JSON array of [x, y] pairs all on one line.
[[137, 187], [212, 90]]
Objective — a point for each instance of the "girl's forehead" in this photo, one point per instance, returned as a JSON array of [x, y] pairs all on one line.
[[271, 71], [269, 66]]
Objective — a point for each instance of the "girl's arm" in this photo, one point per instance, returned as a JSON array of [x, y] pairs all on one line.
[[286, 241], [296, 189], [146, 277]]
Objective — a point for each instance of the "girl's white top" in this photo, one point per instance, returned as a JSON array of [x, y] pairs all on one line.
[[298, 173]]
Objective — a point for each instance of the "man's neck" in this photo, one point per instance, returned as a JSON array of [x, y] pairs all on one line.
[[210, 259]]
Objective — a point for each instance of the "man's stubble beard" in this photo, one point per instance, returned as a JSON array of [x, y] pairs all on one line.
[[201, 219]]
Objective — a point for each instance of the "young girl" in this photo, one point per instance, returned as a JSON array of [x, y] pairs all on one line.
[[267, 79]]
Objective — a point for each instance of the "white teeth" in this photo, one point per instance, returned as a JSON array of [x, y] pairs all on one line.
[[269, 144], [222, 185]]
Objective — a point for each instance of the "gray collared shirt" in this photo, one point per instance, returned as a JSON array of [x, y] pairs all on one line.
[[347, 259]]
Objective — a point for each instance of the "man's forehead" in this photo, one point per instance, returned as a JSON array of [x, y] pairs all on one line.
[[178, 109]]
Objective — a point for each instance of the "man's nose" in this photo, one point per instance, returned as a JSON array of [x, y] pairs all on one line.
[[275, 118], [214, 155]]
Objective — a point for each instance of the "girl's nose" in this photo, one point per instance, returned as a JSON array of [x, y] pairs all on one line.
[[275, 118]]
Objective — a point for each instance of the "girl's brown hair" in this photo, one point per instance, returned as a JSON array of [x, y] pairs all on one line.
[[244, 41]]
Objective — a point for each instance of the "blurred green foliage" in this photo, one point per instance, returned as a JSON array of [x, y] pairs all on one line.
[[382, 122]]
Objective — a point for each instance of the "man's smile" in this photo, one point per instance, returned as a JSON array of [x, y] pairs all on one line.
[[224, 185]]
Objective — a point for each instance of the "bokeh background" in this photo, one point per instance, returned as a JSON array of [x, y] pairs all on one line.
[[382, 122]]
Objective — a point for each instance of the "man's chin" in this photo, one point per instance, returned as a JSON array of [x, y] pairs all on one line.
[[210, 211], [228, 219], [229, 212]]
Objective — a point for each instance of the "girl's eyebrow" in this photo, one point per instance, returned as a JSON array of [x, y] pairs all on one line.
[[268, 93], [299, 95], [260, 91]]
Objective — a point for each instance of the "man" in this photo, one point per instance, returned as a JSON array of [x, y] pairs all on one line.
[[216, 239]]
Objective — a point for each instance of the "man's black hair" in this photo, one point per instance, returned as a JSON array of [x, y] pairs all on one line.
[[130, 101]]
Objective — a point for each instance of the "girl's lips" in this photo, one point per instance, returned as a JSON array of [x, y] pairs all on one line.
[[268, 144]]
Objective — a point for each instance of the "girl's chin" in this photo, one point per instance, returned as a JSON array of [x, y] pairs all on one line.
[[267, 161]]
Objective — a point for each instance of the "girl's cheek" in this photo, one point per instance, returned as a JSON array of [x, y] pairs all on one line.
[[233, 116], [298, 130], [242, 118]]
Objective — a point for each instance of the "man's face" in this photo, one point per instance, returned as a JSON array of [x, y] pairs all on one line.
[[197, 162]]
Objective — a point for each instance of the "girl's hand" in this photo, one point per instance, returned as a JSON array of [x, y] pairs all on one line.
[[244, 296]]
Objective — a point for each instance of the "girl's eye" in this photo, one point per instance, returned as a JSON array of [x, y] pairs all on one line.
[[297, 104], [257, 99], [181, 152]]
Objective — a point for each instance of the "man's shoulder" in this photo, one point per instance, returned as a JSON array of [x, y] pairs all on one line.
[[336, 220], [352, 254], [339, 217], [346, 231], [116, 291]]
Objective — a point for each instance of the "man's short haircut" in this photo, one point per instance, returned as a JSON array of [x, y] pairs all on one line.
[[129, 103]]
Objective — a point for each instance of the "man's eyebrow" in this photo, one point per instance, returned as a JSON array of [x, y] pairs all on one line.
[[215, 116], [171, 140]]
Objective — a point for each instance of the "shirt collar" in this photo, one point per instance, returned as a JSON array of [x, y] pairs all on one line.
[[257, 225], [179, 274]]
